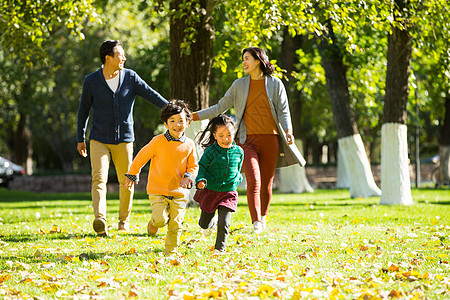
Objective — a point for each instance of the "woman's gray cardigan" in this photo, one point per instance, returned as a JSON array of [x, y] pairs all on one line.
[[236, 97]]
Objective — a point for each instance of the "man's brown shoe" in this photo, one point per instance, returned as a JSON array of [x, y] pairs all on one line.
[[100, 227], [151, 230]]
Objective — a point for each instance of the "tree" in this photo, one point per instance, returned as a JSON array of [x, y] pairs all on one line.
[[25, 31], [395, 180], [293, 178], [191, 50], [350, 142]]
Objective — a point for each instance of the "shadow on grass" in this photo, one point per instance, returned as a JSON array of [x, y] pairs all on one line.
[[23, 196], [85, 256]]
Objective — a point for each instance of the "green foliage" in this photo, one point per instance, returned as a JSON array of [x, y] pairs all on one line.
[[27, 26]]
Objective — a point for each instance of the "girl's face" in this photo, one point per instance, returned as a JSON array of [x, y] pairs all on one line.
[[224, 136], [250, 64], [177, 124]]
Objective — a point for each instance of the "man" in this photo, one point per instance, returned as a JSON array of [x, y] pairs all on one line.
[[110, 93]]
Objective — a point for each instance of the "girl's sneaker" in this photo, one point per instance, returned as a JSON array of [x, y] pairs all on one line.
[[210, 230], [257, 227], [218, 252]]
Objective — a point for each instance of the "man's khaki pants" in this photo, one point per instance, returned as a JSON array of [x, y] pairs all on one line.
[[170, 212], [122, 156]]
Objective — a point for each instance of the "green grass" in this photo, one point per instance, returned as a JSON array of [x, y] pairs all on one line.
[[322, 245]]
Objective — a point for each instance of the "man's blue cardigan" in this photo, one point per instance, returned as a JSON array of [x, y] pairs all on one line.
[[112, 115]]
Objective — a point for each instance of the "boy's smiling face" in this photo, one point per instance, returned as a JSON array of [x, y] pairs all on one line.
[[177, 124]]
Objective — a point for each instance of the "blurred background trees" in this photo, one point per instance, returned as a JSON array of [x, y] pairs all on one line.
[[46, 49]]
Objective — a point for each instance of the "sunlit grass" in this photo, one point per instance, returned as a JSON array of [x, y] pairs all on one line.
[[319, 245]]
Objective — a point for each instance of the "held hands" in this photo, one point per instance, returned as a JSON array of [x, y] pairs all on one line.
[[81, 147], [186, 183], [289, 137]]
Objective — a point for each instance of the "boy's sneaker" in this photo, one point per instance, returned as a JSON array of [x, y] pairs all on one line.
[[151, 230], [123, 226], [100, 227], [257, 227]]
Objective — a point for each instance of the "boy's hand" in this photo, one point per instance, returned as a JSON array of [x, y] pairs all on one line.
[[186, 183], [201, 185], [128, 183]]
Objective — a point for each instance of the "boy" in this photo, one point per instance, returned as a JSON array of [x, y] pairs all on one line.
[[172, 172]]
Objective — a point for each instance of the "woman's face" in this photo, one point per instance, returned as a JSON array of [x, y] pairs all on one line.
[[224, 136], [250, 64]]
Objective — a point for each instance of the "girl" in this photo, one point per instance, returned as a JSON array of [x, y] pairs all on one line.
[[218, 177]]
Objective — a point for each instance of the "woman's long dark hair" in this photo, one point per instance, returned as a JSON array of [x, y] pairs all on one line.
[[266, 67], [206, 138]]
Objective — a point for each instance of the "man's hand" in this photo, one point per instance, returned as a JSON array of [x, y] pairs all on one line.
[[81, 147]]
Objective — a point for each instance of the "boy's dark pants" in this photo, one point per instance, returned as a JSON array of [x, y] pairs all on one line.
[[223, 225]]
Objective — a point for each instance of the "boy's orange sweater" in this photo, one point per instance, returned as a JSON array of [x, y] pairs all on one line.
[[169, 162]]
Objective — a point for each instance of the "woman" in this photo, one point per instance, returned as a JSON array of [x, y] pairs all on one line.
[[262, 111]]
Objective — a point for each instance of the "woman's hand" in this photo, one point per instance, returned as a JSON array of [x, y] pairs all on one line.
[[289, 137]]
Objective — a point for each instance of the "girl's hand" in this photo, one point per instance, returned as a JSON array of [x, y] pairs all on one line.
[[128, 183], [289, 137], [186, 183], [201, 185]]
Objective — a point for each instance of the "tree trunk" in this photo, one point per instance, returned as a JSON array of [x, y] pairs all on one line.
[[191, 55], [358, 165], [395, 179], [343, 182], [22, 144], [190, 65], [444, 146], [293, 179], [359, 173]]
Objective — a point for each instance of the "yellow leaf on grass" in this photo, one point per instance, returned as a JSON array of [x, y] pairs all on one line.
[[131, 251], [393, 268], [103, 262], [4, 277], [281, 277], [188, 297], [265, 290]]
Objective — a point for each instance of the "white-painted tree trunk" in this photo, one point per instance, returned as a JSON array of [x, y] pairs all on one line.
[[395, 178], [343, 182], [293, 178], [358, 168], [444, 161], [191, 132]]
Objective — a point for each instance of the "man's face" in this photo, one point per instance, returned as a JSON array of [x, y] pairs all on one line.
[[118, 60]]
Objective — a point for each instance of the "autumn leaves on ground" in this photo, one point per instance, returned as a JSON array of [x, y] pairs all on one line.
[[322, 245]]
